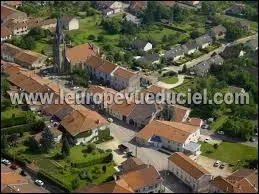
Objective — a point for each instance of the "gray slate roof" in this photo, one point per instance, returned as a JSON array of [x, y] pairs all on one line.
[[190, 45], [149, 58], [174, 52], [218, 29], [203, 40], [139, 44]]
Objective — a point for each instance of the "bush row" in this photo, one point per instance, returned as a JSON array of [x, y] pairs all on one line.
[[101, 158], [9, 122], [16, 129], [45, 175]]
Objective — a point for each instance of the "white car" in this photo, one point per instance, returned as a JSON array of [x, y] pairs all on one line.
[[6, 162], [220, 132], [39, 182], [110, 120], [207, 140]]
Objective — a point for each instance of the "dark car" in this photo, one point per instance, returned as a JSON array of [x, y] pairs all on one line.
[[123, 148], [24, 173], [13, 166]]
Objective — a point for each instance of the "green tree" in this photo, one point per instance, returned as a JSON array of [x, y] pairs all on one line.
[[80, 77], [75, 183], [34, 146], [91, 37], [38, 125], [195, 34], [47, 140], [65, 147]]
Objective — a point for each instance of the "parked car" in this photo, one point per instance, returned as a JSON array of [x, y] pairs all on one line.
[[13, 166], [5, 161], [39, 182], [24, 173], [110, 120], [216, 163], [220, 132], [222, 166]]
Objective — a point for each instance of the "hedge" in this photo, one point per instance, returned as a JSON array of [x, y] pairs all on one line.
[[16, 129], [49, 178], [9, 122], [102, 158]]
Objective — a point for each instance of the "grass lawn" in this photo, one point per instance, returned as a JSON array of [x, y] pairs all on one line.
[[229, 152], [45, 46], [216, 125], [169, 80], [188, 83], [7, 114]]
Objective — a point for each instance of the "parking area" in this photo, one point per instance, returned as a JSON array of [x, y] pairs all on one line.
[[208, 163]]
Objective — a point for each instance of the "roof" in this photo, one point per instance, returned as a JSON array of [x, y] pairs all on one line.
[[149, 58], [94, 61], [109, 187], [5, 32], [174, 52], [13, 3], [28, 57], [180, 112], [10, 50], [203, 39], [235, 89], [139, 178], [131, 164], [137, 5], [6, 11], [187, 165], [253, 43], [218, 29], [168, 3], [66, 18], [139, 44], [106, 67], [80, 53], [236, 9], [156, 89], [190, 45], [82, 120], [123, 73], [174, 131], [231, 51], [123, 108], [194, 121], [223, 185]]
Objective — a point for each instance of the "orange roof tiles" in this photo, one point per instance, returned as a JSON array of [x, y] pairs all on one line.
[[5, 32], [28, 56], [194, 121], [175, 131], [80, 53], [94, 61], [188, 165], [124, 108], [156, 89], [123, 73], [180, 112]]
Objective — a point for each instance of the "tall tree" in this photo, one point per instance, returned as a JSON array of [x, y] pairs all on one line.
[[65, 147], [47, 140]]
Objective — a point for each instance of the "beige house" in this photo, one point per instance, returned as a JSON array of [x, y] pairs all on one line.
[[188, 171], [8, 13], [70, 23], [6, 34]]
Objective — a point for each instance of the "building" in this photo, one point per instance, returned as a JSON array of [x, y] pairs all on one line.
[[235, 89], [149, 59], [191, 3], [133, 19], [203, 41], [175, 53], [109, 7], [112, 75], [83, 125], [6, 34], [131, 163], [13, 4], [78, 55], [174, 136], [241, 181], [8, 13], [188, 171], [25, 58], [57, 135], [191, 47], [253, 44], [141, 45], [69, 23], [181, 113], [218, 32], [236, 10], [234, 51], [203, 68]]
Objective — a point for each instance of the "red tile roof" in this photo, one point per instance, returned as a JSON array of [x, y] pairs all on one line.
[[5, 32], [123, 73], [188, 165]]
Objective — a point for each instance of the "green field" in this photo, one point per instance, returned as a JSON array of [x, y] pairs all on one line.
[[169, 80], [229, 152]]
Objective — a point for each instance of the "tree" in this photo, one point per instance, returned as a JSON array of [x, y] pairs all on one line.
[[75, 183], [38, 33], [112, 26], [47, 140], [195, 34], [234, 31], [179, 14], [38, 125], [184, 70], [65, 147], [4, 142], [215, 146], [208, 9], [90, 147], [80, 77], [34, 146], [100, 38], [91, 37]]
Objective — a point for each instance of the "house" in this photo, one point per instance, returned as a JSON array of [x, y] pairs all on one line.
[[136, 6], [9, 51], [234, 51], [6, 34], [131, 163], [191, 3], [83, 125], [203, 41], [13, 4], [175, 53], [241, 181], [235, 89], [236, 10], [218, 32], [112, 75], [141, 45], [149, 59], [57, 135], [109, 7], [175, 136], [140, 179], [253, 44], [133, 19], [188, 171], [69, 23], [190, 47], [194, 121], [203, 68], [78, 55], [8, 13], [181, 113]]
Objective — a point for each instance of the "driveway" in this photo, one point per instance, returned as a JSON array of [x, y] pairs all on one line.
[[207, 163]]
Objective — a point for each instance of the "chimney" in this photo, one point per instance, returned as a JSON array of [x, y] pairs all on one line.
[[97, 121]]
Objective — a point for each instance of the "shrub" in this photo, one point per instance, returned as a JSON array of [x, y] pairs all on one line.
[[75, 183], [215, 146], [91, 37], [98, 159], [104, 168]]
